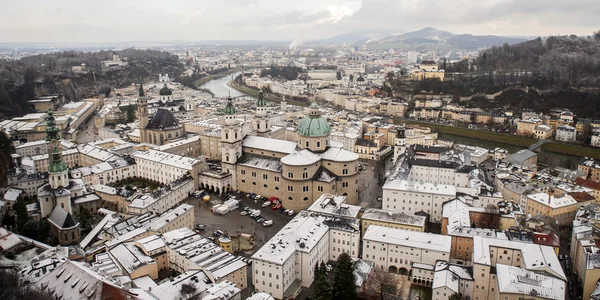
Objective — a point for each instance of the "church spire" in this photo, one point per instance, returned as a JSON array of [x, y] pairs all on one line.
[[141, 94], [229, 108], [51, 129], [261, 102]]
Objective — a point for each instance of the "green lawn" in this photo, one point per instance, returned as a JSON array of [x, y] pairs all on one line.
[[574, 150], [140, 183]]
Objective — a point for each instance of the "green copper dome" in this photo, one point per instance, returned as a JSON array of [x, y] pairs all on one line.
[[314, 125], [261, 102], [57, 165], [229, 108], [165, 91]]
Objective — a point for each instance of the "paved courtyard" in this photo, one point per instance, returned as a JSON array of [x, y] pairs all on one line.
[[233, 222]]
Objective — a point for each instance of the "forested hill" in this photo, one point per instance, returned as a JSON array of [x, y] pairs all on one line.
[[52, 73], [559, 61]]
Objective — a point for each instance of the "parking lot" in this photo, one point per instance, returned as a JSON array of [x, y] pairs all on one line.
[[233, 222]]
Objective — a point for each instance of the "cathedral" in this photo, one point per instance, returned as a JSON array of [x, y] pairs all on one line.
[[163, 126], [296, 173]]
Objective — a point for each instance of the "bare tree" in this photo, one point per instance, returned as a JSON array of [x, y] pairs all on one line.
[[384, 286]]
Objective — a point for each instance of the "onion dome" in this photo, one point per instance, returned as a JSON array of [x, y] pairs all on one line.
[[165, 91], [57, 165]]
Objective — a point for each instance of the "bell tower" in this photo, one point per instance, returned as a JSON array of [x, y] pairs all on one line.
[[261, 121], [231, 141], [142, 114]]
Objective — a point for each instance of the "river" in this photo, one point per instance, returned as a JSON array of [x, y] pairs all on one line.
[[511, 148], [220, 88]]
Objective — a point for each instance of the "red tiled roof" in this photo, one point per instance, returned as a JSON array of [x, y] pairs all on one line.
[[588, 183]]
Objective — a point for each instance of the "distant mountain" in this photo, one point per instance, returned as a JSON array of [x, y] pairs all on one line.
[[356, 37], [428, 33], [469, 41], [431, 36]]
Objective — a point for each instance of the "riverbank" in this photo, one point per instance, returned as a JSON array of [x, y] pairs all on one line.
[[269, 97], [550, 146], [208, 78]]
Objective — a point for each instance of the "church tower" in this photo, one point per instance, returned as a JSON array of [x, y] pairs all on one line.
[[231, 142], [52, 135], [142, 114], [261, 120]]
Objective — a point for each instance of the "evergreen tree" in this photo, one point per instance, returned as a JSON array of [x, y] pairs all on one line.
[[130, 114], [344, 279], [21, 212], [322, 290], [455, 296]]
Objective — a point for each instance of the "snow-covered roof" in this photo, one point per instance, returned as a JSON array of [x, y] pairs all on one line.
[[202, 252], [130, 257], [339, 155], [414, 239], [413, 186], [169, 216], [74, 280], [393, 217], [334, 205], [300, 158], [301, 234], [169, 159], [8, 239], [12, 194], [514, 280], [553, 201], [151, 243], [269, 144], [535, 257]]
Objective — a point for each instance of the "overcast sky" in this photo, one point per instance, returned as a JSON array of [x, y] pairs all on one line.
[[194, 20]]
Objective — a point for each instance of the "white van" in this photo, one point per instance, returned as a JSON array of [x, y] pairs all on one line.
[[267, 223]]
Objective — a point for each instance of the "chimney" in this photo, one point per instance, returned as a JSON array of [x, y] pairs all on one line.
[[550, 194]]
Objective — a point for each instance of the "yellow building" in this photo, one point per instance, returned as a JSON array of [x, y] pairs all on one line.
[[527, 127], [543, 132], [427, 70], [560, 207]]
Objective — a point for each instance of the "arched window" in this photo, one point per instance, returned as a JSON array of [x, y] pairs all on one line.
[[305, 198], [226, 135], [257, 125], [169, 136], [265, 185], [236, 135], [290, 198], [318, 144], [307, 143]]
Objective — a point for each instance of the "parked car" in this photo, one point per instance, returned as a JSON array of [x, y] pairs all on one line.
[[267, 223], [289, 212], [200, 227], [257, 197], [265, 204], [328, 267], [244, 213], [259, 219], [219, 232]]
